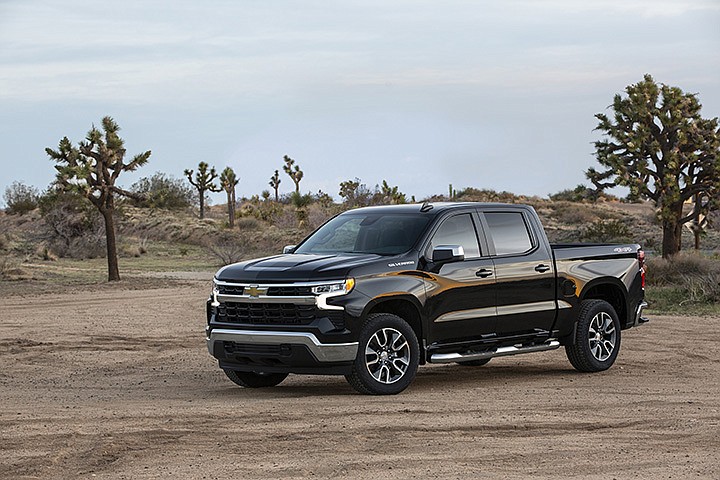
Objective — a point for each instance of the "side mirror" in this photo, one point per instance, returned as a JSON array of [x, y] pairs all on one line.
[[289, 248], [448, 253]]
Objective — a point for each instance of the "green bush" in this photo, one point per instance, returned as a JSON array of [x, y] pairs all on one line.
[[21, 198], [578, 194], [605, 231], [163, 191], [471, 194]]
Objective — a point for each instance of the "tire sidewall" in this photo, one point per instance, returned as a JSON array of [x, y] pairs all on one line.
[[360, 370], [583, 334]]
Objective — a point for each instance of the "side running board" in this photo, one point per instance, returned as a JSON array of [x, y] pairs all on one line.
[[498, 352]]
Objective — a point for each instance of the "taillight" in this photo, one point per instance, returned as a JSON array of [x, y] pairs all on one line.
[[641, 261]]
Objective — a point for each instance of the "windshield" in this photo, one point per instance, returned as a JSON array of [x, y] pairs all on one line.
[[366, 233]]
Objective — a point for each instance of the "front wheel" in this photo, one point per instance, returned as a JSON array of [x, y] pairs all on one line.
[[388, 356], [255, 380], [596, 343]]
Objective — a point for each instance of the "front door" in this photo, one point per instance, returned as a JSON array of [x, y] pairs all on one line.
[[461, 296]]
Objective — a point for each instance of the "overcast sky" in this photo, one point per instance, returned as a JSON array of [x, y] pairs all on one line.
[[496, 95]]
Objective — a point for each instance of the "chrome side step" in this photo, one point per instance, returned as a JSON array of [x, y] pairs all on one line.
[[498, 352]]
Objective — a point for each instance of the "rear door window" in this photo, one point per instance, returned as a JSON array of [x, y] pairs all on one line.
[[509, 232]]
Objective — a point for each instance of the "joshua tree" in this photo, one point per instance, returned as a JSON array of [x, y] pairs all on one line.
[[228, 182], [293, 171], [91, 170], [275, 184], [204, 182], [657, 144]]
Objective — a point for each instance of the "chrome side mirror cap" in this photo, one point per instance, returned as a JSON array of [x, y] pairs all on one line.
[[448, 253]]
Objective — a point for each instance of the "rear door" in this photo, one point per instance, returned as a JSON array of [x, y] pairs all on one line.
[[526, 299]]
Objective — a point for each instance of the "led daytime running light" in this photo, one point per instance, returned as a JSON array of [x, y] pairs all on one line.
[[341, 287]]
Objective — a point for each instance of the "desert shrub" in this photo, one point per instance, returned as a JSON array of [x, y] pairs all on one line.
[[73, 228], [143, 245], [471, 194], [164, 191], [286, 220], [604, 231], [702, 288], [10, 268], [324, 199], [247, 223], [266, 210], [355, 193], [229, 249], [21, 198], [665, 272], [317, 215], [685, 280], [301, 203], [580, 193], [573, 213]]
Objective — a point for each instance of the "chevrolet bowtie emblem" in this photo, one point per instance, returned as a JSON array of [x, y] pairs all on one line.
[[254, 291]]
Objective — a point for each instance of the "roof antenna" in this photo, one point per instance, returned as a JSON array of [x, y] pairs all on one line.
[[426, 207]]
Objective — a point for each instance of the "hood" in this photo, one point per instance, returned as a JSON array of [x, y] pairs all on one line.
[[295, 268]]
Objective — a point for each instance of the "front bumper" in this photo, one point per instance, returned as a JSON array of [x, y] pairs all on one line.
[[278, 351], [323, 352]]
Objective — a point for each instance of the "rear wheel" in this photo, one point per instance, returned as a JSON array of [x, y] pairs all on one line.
[[388, 356], [255, 380], [596, 343]]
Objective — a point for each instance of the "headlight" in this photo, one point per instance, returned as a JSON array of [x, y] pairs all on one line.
[[339, 288], [213, 295]]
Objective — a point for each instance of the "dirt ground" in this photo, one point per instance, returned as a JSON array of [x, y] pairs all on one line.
[[118, 384]]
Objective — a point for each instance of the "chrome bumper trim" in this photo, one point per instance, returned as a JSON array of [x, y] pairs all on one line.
[[297, 300], [639, 320], [324, 352], [319, 300]]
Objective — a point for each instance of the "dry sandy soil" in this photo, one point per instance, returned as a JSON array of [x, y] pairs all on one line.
[[118, 384]]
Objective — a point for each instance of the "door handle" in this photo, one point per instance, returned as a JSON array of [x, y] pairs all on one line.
[[542, 268], [483, 273]]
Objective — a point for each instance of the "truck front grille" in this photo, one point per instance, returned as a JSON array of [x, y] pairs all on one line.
[[276, 314], [253, 349], [230, 289], [266, 313], [289, 292]]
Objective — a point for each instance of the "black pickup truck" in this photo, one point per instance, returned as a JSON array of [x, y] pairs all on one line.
[[377, 291]]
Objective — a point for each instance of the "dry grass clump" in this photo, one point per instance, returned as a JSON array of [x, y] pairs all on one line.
[[684, 278], [662, 272], [10, 268]]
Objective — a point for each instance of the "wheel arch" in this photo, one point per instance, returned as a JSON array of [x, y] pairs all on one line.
[[405, 307], [613, 292]]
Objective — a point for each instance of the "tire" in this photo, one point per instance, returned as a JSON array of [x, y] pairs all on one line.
[[596, 342], [255, 380], [388, 356], [475, 363]]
